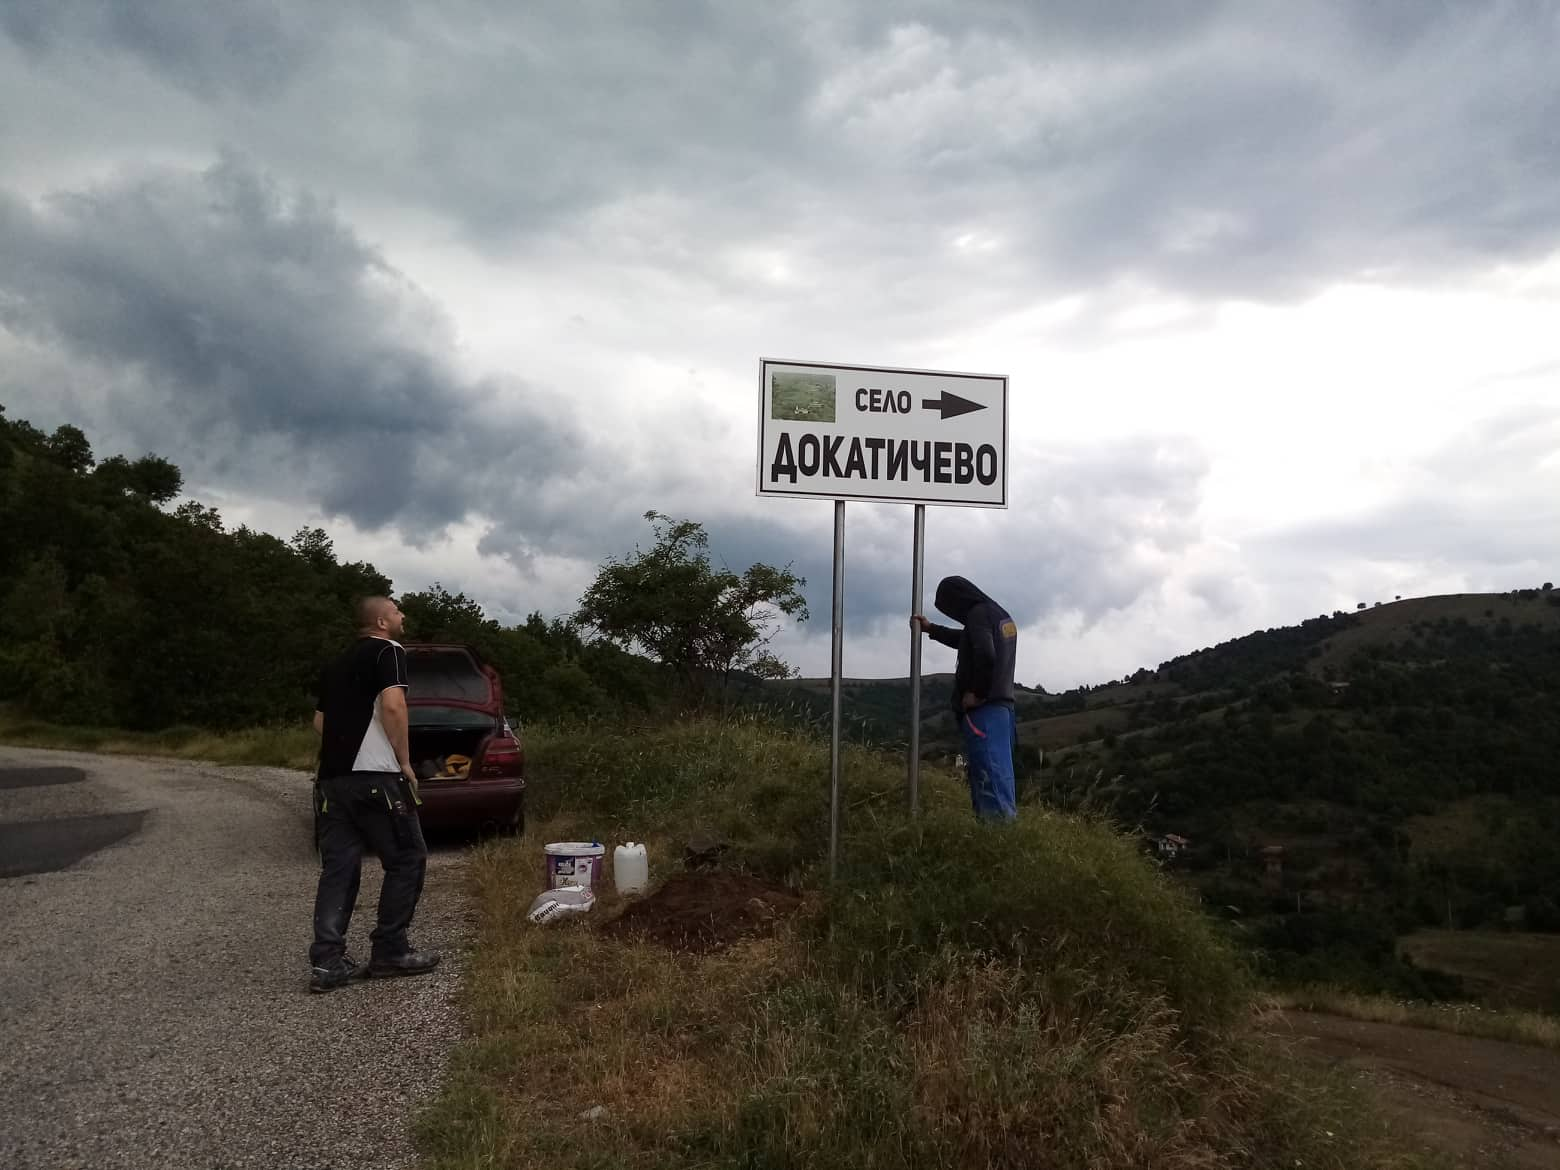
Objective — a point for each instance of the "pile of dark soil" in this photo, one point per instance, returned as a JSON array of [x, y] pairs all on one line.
[[705, 912]]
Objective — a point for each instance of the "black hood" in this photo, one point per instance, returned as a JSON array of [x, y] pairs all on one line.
[[956, 597]]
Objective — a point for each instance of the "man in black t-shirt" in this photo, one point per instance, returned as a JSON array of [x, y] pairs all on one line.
[[367, 794]]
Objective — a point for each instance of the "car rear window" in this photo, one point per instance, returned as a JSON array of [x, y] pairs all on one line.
[[424, 716], [446, 674]]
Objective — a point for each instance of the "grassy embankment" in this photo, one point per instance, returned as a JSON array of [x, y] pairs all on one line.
[[1512, 974], [281, 747], [963, 996], [1466, 1019]]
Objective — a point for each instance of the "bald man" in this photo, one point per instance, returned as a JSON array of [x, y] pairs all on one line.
[[367, 794]]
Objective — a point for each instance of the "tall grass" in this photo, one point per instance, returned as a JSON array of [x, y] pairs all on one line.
[[964, 995], [1464, 1019], [283, 746]]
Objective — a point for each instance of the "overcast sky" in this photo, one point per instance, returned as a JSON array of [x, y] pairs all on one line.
[[474, 285]]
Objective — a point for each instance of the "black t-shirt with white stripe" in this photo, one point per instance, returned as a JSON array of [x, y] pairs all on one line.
[[354, 739]]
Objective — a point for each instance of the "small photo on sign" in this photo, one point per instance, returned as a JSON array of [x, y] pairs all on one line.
[[802, 397]]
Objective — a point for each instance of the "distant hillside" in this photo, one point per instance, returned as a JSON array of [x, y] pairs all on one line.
[[1347, 780], [877, 710], [1337, 783], [901, 685], [1319, 647], [1398, 620]]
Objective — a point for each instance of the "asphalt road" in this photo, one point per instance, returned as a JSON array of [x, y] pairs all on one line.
[[153, 977]]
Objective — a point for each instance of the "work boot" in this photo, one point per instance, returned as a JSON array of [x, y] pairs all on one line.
[[336, 973], [409, 963]]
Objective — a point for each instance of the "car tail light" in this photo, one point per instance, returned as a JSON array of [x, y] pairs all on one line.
[[502, 756]]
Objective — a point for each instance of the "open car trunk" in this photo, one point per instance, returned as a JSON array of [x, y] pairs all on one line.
[[470, 764], [454, 707], [443, 751]]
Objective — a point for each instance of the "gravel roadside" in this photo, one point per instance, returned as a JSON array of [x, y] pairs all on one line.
[[153, 997], [1473, 1100]]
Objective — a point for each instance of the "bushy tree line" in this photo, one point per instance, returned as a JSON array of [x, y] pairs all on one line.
[[119, 608], [548, 669], [118, 611]]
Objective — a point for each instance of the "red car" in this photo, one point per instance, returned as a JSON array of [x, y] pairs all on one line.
[[470, 763]]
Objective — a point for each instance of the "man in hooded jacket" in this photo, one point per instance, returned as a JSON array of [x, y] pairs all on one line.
[[982, 690]]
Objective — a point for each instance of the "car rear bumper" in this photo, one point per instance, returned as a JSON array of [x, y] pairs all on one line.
[[470, 803]]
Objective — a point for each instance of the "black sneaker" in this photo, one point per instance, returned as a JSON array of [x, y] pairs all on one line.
[[334, 974], [410, 963]]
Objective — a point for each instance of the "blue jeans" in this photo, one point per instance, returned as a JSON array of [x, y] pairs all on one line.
[[989, 732]]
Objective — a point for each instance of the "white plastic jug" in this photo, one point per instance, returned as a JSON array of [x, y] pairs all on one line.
[[630, 868]]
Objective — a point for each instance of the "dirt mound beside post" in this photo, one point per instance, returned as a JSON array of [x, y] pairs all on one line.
[[700, 913]]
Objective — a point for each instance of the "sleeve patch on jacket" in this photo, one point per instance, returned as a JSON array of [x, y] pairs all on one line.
[[1009, 630]]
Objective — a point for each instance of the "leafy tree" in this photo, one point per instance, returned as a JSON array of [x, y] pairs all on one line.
[[315, 546], [437, 615], [69, 447], [151, 477], [697, 620], [199, 515], [571, 690], [770, 666]]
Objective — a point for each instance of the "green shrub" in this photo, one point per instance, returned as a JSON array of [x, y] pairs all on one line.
[[1070, 902]]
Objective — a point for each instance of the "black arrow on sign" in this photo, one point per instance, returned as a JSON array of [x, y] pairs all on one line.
[[951, 405]]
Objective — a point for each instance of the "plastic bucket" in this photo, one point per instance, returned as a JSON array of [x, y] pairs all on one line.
[[573, 863]]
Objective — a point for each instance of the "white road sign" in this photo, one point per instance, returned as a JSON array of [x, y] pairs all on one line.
[[868, 433]]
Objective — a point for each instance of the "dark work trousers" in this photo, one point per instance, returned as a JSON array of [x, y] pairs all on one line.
[[367, 811]]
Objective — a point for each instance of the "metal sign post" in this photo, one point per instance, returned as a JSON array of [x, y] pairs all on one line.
[[895, 436], [917, 581], [837, 661]]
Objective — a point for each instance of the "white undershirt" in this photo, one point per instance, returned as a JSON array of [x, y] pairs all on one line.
[[376, 754]]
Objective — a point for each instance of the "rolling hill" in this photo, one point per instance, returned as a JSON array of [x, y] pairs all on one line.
[[1333, 784]]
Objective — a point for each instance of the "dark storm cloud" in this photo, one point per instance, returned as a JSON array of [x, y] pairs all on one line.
[[1253, 149], [1223, 150], [255, 333], [1277, 151], [252, 49]]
